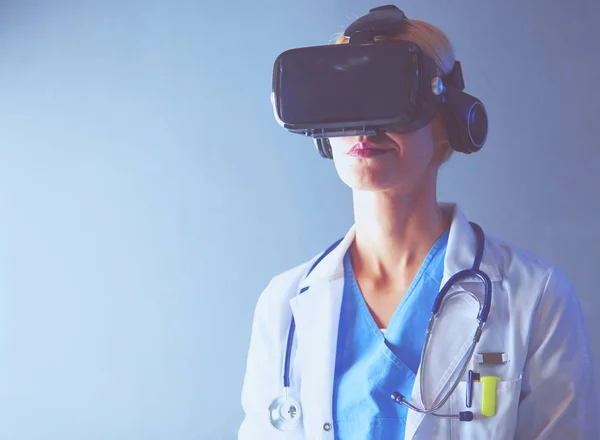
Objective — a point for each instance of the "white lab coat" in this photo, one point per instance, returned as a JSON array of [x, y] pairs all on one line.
[[547, 388]]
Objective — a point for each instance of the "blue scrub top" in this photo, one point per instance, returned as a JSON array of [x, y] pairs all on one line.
[[370, 366]]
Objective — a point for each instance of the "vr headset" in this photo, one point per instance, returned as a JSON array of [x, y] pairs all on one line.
[[369, 87]]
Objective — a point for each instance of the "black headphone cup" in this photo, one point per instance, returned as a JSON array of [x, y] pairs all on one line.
[[468, 122], [477, 124]]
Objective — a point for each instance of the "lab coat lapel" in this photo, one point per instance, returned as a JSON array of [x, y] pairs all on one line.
[[455, 327], [317, 312]]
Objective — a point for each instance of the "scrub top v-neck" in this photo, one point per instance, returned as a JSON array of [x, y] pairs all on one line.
[[371, 364]]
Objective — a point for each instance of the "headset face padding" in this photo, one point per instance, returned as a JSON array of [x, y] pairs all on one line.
[[324, 148]]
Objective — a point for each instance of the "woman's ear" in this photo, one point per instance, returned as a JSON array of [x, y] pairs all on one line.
[[440, 134], [441, 141]]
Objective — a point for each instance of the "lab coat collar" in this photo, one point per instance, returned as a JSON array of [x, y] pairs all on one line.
[[462, 244], [460, 251]]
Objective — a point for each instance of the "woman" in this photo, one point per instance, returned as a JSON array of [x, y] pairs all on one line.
[[360, 327]]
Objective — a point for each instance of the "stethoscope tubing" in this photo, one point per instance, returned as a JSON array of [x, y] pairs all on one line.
[[482, 317]]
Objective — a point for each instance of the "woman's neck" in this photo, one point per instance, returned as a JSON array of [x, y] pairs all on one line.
[[394, 233]]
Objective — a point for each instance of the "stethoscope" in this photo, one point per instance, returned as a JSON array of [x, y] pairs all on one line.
[[285, 411]]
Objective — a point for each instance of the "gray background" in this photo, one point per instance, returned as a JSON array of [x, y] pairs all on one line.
[[147, 194]]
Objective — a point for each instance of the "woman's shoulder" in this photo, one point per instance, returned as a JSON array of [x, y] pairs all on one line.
[[524, 271], [510, 257]]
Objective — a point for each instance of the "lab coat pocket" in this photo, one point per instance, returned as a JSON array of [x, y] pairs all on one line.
[[501, 425]]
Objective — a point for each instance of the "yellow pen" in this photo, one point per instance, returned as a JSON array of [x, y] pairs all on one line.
[[488, 395]]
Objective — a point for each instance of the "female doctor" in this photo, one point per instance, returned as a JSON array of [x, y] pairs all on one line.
[[355, 370]]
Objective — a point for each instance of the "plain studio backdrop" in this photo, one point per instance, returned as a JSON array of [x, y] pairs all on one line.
[[147, 194]]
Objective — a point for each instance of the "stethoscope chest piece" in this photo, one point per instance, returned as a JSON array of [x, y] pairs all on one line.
[[285, 413]]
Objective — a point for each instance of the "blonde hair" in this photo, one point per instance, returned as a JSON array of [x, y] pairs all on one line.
[[434, 43]]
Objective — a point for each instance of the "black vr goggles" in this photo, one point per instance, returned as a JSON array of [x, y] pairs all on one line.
[[369, 87]]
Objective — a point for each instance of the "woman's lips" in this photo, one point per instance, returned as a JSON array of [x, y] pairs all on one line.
[[366, 149]]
